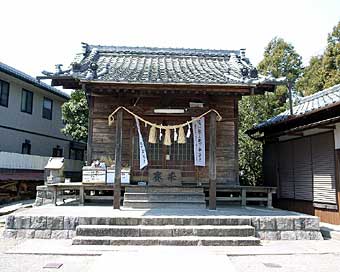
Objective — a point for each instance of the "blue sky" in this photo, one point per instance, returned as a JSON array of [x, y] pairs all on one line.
[[37, 34]]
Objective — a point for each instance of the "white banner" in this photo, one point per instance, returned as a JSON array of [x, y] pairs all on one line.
[[143, 159], [198, 128]]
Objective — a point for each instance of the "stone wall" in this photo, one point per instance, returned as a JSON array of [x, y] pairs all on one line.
[[63, 227], [287, 228]]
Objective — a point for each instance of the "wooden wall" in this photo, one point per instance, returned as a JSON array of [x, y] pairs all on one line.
[[303, 202], [103, 142], [328, 216]]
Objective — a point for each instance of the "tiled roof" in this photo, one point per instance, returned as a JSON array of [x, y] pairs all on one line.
[[306, 105], [31, 80], [144, 65]]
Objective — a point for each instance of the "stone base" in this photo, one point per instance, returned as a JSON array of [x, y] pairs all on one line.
[[43, 196], [302, 227]]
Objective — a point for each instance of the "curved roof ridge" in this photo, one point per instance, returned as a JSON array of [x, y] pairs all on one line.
[[165, 51]]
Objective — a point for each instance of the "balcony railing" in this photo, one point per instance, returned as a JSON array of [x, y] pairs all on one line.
[[10, 160]]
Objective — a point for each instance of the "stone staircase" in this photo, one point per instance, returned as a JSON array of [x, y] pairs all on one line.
[[164, 197], [174, 231]]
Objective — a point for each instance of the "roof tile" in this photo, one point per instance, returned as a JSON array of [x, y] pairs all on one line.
[[164, 65], [306, 105]]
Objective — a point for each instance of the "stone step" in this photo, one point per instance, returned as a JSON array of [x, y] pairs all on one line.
[[162, 231], [155, 189], [164, 196], [166, 241], [167, 220], [170, 204]]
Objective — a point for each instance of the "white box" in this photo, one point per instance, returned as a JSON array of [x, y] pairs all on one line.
[[94, 175], [125, 175]]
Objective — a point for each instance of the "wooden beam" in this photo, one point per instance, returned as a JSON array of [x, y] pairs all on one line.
[[90, 130], [118, 160], [127, 87], [292, 133], [212, 162], [327, 127]]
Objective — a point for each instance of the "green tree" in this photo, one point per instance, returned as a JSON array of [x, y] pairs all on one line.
[[323, 71], [280, 60], [331, 58], [75, 115], [313, 78]]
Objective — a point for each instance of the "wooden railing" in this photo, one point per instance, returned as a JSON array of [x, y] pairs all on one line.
[[264, 194], [259, 194]]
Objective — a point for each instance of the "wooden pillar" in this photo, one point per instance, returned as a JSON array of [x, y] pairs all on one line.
[[236, 127], [270, 199], [90, 131], [212, 162], [118, 160], [81, 195], [55, 195], [243, 197]]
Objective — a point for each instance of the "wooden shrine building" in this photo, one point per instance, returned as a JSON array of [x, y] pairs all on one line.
[[165, 87], [301, 155]]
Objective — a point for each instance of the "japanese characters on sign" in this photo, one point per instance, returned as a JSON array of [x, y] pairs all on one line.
[[199, 142], [143, 159], [165, 177]]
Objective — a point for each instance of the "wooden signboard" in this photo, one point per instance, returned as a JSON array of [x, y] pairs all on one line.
[[165, 177]]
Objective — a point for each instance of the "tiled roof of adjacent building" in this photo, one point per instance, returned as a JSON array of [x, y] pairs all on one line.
[[31, 80], [145, 65], [306, 105]]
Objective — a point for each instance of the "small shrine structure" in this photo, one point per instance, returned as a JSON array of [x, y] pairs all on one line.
[[170, 115]]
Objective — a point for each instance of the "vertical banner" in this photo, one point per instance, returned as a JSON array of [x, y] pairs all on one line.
[[199, 142], [143, 159]]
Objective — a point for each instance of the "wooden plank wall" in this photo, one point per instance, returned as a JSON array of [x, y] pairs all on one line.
[[103, 137], [305, 178]]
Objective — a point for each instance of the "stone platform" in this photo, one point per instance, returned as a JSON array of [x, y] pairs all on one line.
[[103, 225]]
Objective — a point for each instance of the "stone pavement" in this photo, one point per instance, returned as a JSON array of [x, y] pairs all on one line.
[[33, 255]]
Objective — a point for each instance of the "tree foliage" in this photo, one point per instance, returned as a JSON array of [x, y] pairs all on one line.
[[280, 59], [75, 115], [323, 71]]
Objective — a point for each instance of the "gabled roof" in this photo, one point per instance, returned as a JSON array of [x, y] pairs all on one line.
[[307, 105], [146, 65], [31, 80]]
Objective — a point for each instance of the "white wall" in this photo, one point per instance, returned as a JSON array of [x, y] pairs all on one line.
[[11, 116], [337, 136]]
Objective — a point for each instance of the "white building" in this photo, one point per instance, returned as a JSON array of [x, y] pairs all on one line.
[[30, 124]]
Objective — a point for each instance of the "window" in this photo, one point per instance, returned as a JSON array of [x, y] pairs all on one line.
[[47, 108], [76, 154], [4, 93], [26, 101], [26, 147], [57, 151]]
